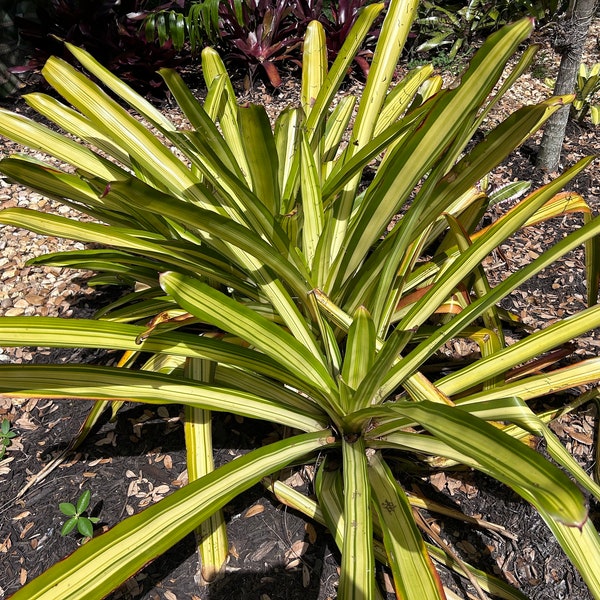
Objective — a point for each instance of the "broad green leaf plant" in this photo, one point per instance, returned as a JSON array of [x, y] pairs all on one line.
[[308, 273]]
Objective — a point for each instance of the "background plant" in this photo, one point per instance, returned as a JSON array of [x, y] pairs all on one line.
[[253, 35], [455, 26], [276, 280], [587, 93], [135, 38], [104, 29]]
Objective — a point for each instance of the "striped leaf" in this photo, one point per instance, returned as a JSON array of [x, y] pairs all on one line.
[[312, 207], [394, 31], [85, 333], [503, 458], [217, 309], [580, 545], [104, 562], [415, 576], [211, 535], [357, 577], [114, 122], [360, 349], [314, 65], [340, 66], [414, 159], [214, 69], [28, 133], [476, 308], [261, 155], [115, 384]]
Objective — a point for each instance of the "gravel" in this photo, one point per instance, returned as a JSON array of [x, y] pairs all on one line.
[[36, 290]]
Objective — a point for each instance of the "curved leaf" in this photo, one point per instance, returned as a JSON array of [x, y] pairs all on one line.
[[104, 562], [28, 133], [415, 158], [214, 307], [581, 545], [84, 333], [117, 384], [503, 458], [477, 307]]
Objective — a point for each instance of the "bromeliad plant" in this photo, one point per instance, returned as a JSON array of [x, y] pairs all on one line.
[[310, 278], [587, 91], [261, 33]]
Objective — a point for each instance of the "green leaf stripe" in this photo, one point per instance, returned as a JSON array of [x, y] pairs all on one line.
[[112, 383], [104, 562], [503, 458]]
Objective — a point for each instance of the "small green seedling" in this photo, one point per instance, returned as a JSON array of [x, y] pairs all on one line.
[[6, 436], [84, 524]]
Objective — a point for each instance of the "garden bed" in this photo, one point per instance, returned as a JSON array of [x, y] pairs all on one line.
[[274, 553]]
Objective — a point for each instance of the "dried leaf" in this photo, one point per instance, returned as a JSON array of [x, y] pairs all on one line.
[[181, 480], [298, 549], [295, 480], [438, 481], [6, 545], [22, 515], [388, 583], [292, 564], [579, 436], [233, 551], [305, 576], [263, 550], [311, 532], [254, 510], [100, 461], [25, 422], [26, 530]]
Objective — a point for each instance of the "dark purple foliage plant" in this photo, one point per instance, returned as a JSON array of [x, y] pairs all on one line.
[[107, 30], [256, 34]]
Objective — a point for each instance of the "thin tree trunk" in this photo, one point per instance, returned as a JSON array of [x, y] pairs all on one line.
[[573, 35]]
